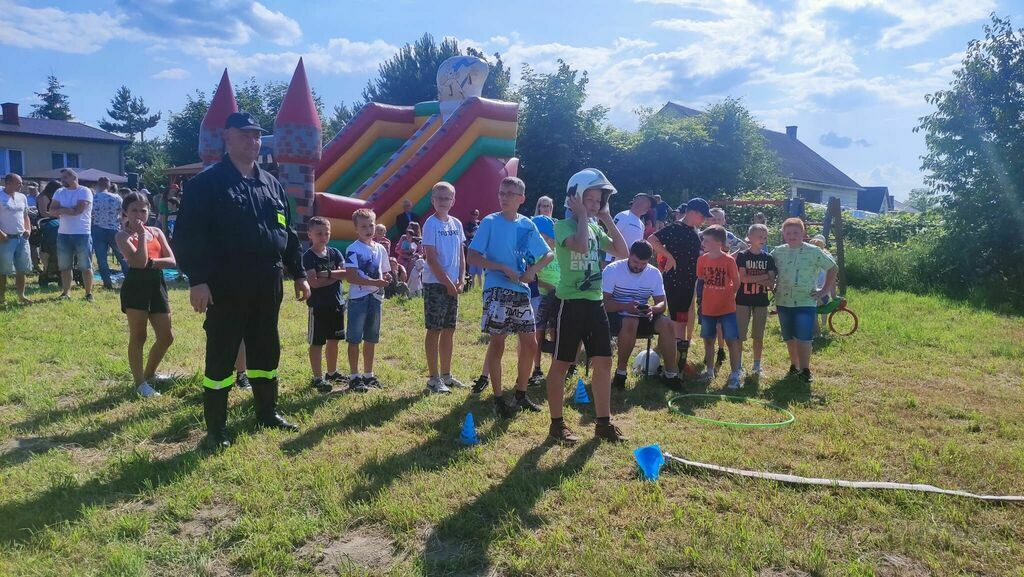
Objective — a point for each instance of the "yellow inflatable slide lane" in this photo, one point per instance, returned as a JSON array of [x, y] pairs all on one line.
[[468, 149]]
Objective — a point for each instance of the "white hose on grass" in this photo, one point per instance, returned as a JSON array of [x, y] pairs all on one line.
[[794, 479]]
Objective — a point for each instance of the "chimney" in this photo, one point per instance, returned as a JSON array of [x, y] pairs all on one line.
[[791, 132], [10, 113]]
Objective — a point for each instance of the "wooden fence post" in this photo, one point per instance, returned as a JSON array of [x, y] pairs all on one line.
[[836, 210]]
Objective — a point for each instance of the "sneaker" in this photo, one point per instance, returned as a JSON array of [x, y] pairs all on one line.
[[321, 385], [756, 370], [146, 390], [336, 377], [707, 376], [371, 382], [719, 359], [674, 383], [503, 409], [536, 379], [436, 385], [64, 298], [805, 376], [242, 381], [792, 371], [451, 381], [562, 435], [357, 384], [609, 432], [734, 381], [619, 381], [524, 403], [571, 373], [480, 385]]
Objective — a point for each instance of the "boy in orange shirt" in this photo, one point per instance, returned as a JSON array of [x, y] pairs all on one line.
[[721, 279]]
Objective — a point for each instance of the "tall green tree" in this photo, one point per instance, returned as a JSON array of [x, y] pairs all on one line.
[[149, 160], [340, 116], [55, 104], [923, 199], [129, 115], [182, 140], [558, 135], [976, 160], [410, 76]]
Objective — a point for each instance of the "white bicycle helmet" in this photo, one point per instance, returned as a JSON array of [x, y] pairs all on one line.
[[586, 179]]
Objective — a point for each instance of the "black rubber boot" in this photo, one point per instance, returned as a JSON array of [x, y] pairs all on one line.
[[215, 413], [264, 392]]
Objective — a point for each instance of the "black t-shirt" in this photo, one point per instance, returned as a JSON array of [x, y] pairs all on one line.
[[682, 242], [325, 297], [752, 294]]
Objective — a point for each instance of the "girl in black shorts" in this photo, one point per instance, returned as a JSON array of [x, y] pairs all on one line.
[[144, 292]]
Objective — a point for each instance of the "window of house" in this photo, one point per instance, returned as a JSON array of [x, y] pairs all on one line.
[[11, 161], [64, 160], [809, 195]]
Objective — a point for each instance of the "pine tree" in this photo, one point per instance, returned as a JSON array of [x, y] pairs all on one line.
[[129, 115], [55, 104]]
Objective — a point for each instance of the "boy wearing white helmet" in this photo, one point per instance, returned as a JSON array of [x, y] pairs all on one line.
[[581, 314]]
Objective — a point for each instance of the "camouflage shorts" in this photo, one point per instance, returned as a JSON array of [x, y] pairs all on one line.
[[440, 310]]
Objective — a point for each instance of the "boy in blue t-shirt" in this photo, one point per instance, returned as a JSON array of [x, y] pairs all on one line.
[[504, 245], [325, 269]]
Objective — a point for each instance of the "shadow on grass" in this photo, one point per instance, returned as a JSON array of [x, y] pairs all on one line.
[[67, 501], [459, 543], [376, 412], [113, 397], [788, 390], [432, 455]]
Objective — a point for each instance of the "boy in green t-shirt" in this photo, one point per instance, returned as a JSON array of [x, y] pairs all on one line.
[[581, 315]]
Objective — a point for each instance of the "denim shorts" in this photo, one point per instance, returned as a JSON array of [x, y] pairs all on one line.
[[709, 324], [14, 256], [72, 246], [363, 320], [797, 323]]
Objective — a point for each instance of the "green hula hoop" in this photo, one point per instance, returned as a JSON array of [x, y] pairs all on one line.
[[790, 417]]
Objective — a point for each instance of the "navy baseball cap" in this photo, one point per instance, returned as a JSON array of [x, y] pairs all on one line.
[[698, 204], [242, 121]]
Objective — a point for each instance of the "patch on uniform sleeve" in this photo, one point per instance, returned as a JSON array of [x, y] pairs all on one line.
[[281, 219]]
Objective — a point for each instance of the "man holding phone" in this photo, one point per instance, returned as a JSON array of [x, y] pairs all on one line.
[[628, 286]]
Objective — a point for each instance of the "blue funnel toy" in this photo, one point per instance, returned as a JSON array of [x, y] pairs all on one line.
[[468, 434], [650, 460], [581, 397]]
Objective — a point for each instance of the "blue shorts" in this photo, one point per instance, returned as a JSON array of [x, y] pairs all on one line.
[[797, 323], [14, 256], [363, 320], [72, 246], [730, 330]]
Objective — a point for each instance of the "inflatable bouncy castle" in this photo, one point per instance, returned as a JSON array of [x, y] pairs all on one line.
[[386, 154]]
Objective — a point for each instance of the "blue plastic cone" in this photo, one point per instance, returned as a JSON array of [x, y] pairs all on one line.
[[581, 397], [468, 434], [650, 460]]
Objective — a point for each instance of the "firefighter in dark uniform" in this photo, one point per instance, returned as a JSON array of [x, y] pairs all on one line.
[[233, 238]]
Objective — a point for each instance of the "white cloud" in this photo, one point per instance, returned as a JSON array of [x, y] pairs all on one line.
[[57, 30], [220, 21], [171, 74], [338, 56]]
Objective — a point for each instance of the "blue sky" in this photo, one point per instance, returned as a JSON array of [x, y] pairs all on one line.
[[851, 74]]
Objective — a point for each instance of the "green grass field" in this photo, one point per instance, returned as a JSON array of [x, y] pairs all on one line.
[[97, 481]]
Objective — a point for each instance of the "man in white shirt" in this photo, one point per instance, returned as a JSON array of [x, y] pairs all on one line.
[[73, 204], [629, 285], [14, 231], [631, 222]]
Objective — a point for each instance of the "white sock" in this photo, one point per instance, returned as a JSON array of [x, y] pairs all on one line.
[[670, 375]]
